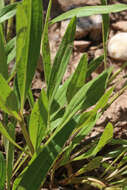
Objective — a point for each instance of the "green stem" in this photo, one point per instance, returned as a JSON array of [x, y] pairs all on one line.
[[113, 163], [117, 73], [19, 164], [26, 136]]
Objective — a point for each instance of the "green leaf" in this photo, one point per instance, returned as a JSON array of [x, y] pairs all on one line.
[[94, 95], [78, 78], [60, 98], [87, 96], [11, 50], [3, 58], [2, 172], [8, 101], [61, 59], [105, 30], [92, 165], [9, 148], [4, 132], [10, 45], [105, 138], [125, 188], [106, 22], [45, 46], [46, 157], [93, 65], [7, 12], [1, 4], [38, 120], [86, 123], [29, 31], [103, 100], [90, 10], [89, 119], [11, 56]]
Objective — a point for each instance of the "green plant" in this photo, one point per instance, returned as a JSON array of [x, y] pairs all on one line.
[[58, 120]]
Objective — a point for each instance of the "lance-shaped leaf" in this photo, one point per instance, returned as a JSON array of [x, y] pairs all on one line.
[[94, 64], [2, 171], [105, 30], [7, 12], [106, 136], [45, 46], [40, 165], [104, 139], [60, 98], [8, 101], [92, 165], [29, 31], [89, 119], [1, 4], [3, 58], [5, 133], [87, 96], [9, 148], [61, 59], [90, 10], [38, 120], [11, 50], [78, 78]]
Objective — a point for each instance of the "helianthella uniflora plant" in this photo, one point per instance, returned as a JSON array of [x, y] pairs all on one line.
[[58, 121]]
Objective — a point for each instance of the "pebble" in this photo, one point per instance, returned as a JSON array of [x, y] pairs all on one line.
[[65, 4], [81, 45], [117, 46], [91, 26], [120, 25]]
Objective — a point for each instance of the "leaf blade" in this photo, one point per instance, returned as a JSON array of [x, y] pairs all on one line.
[[38, 120], [90, 10], [66, 42], [29, 29], [78, 78], [3, 58]]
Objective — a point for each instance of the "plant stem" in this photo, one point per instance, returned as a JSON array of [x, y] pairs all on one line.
[[118, 157], [26, 136], [117, 72]]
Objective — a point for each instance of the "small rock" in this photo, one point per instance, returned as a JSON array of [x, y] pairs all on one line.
[[99, 52], [65, 4], [91, 26], [96, 27], [120, 25], [81, 45], [117, 46], [79, 31]]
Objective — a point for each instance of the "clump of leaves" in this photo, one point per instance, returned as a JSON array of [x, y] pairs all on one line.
[[58, 120]]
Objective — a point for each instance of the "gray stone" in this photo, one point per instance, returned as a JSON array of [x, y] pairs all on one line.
[[117, 46], [91, 25]]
